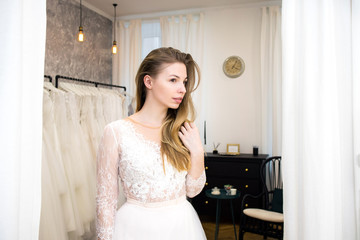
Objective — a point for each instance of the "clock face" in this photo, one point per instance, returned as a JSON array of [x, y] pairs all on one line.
[[233, 66]]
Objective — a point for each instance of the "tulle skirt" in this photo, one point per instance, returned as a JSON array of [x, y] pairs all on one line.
[[171, 220]]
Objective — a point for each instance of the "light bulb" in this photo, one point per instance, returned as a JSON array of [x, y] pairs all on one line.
[[80, 35], [114, 48]]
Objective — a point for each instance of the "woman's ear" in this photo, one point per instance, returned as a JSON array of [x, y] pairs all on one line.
[[148, 82]]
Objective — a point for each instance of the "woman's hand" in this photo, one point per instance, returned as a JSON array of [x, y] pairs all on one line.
[[189, 135]]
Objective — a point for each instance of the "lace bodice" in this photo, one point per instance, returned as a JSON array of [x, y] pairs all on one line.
[[125, 153]]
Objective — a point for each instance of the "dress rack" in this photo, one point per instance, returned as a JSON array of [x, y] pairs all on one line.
[[49, 77], [58, 77]]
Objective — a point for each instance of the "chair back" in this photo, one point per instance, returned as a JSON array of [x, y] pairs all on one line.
[[272, 181]]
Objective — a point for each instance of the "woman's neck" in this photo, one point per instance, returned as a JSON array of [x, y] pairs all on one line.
[[151, 115]]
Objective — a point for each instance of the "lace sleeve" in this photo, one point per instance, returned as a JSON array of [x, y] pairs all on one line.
[[194, 186], [107, 184]]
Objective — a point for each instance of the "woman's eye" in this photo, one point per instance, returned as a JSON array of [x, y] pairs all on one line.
[[185, 82], [173, 80]]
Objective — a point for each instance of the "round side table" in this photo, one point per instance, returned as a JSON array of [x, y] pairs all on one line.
[[219, 198]]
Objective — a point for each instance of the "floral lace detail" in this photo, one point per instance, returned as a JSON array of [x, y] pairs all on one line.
[[194, 186], [107, 185], [139, 164]]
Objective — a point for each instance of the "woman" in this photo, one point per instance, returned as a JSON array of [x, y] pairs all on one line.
[[158, 155]]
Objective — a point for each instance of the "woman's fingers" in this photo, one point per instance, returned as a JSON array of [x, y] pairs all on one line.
[[190, 137]]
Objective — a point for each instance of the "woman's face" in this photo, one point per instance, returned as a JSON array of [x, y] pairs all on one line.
[[168, 86]]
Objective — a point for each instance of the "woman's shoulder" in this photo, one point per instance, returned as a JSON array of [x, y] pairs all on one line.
[[117, 128], [118, 124]]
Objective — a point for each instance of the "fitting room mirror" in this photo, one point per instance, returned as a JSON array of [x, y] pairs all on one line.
[[233, 108]]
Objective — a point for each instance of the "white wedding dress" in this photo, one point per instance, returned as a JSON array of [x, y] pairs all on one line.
[[156, 206]]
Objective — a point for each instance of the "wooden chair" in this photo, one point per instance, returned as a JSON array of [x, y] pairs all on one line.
[[268, 220]]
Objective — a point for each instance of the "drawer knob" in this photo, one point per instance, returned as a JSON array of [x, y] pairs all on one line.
[[206, 168], [206, 202], [206, 184], [246, 169]]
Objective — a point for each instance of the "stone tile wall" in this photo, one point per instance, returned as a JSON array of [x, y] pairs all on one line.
[[91, 59]]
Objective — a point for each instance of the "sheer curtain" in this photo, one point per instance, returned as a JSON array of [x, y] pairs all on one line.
[[271, 80], [186, 33], [22, 44], [321, 119], [128, 59]]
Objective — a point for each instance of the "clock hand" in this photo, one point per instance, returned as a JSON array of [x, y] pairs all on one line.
[[233, 65]]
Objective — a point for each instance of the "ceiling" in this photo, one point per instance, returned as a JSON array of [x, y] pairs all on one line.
[[142, 7]]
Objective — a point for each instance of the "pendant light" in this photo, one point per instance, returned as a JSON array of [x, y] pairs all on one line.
[[114, 47], [81, 33]]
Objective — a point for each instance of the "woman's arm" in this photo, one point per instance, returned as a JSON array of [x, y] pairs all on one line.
[[195, 180], [107, 184]]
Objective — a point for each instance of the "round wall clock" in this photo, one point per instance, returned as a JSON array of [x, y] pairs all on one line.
[[233, 66]]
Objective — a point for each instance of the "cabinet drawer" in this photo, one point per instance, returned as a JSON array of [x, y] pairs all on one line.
[[251, 186], [252, 203], [239, 170]]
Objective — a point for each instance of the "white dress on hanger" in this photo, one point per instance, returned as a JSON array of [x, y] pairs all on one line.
[[156, 206], [53, 146], [83, 163], [70, 157], [53, 180], [113, 105]]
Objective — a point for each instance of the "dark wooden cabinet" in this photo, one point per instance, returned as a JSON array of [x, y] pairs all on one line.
[[242, 171]]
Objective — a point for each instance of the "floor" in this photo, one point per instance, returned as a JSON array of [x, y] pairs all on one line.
[[226, 232]]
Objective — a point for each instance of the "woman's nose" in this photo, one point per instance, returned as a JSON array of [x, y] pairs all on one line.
[[182, 88]]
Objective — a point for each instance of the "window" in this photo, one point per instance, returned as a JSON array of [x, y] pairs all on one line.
[[150, 36]]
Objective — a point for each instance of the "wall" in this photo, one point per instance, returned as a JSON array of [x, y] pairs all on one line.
[[232, 105], [92, 59]]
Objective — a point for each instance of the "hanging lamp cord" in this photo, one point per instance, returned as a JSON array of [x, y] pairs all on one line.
[[114, 20], [80, 14]]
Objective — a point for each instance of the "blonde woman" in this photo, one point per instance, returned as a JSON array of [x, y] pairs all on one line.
[[157, 155]]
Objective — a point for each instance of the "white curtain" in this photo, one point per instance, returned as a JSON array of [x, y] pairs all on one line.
[[186, 33], [321, 119], [22, 47], [355, 13], [271, 80], [128, 59]]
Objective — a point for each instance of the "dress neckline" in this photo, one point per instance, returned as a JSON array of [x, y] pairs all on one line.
[[144, 125], [141, 136]]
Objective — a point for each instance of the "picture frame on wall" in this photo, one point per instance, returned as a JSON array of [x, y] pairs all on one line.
[[233, 149]]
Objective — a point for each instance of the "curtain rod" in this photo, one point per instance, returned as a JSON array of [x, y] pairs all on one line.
[[154, 15]]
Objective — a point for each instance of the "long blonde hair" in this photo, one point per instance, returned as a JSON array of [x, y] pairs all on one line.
[[171, 146]]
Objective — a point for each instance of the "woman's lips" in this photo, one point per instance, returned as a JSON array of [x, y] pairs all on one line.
[[178, 100]]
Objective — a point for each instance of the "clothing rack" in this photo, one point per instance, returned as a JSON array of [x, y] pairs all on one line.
[[58, 77], [49, 77]]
